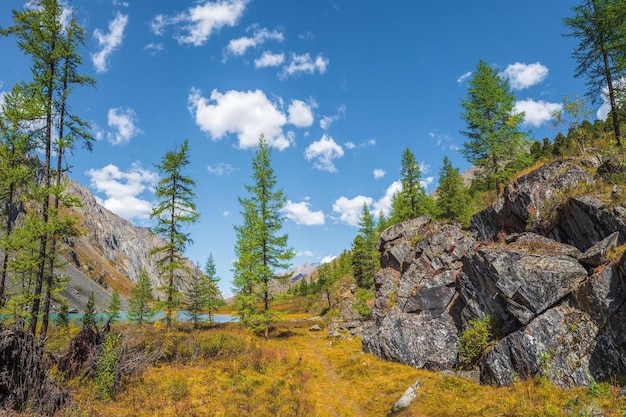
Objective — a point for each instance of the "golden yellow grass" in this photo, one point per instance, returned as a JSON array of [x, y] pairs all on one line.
[[302, 373]]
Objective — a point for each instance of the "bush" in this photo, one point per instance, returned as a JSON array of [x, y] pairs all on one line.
[[106, 369], [475, 339]]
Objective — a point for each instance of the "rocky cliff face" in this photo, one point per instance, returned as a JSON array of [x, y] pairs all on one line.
[[540, 260], [110, 254]]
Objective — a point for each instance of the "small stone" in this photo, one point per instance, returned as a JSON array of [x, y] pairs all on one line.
[[407, 398], [315, 328]]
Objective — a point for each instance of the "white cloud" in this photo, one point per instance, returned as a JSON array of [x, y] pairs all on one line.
[[247, 114], [239, 46], [301, 213], [269, 59], [464, 77], [324, 151], [522, 76], [123, 121], [426, 182], [122, 189], [196, 24], [352, 146], [300, 114], [109, 42], [220, 169], [306, 253], [424, 167], [328, 258], [384, 204], [350, 210], [379, 173], [304, 64], [536, 112], [326, 121], [154, 48], [605, 108]]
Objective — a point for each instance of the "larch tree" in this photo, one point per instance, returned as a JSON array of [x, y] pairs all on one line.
[[453, 198], [600, 27], [140, 300], [495, 142], [214, 295], [52, 46], [411, 201], [175, 209], [17, 169], [266, 250], [247, 254], [364, 253]]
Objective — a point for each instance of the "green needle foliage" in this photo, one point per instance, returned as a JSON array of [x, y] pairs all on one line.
[[261, 248], [600, 27], [140, 300], [495, 144], [175, 209]]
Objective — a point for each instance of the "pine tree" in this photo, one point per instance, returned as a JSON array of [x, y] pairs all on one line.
[[494, 139], [115, 304], [198, 295], [140, 300], [600, 27], [175, 209], [262, 250], [453, 198]]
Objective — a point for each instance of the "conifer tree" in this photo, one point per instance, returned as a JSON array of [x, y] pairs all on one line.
[[63, 318], [409, 202], [453, 199], [214, 295], [140, 300], [364, 253], [115, 304], [494, 142], [174, 210], [17, 169], [261, 248], [89, 316], [600, 27]]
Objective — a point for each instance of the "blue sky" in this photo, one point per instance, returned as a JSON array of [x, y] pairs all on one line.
[[339, 88]]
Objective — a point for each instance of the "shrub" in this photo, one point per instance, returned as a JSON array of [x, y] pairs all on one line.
[[106, 373], [475, 339]]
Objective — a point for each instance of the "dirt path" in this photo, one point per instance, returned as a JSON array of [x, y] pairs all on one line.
[[339, 400]]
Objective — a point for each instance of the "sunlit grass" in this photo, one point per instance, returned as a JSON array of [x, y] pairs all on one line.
[[227, 371]]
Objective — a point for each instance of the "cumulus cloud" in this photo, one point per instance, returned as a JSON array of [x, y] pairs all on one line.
[[323, 152], [301, 213], [247, 114], [536, 112], [196, 25], [300, 114], [384, 203], [269, 59], [123, 189], [426, 182], [379, 173], [220, 169], [123, 122], [304, 64], [306, 253], [350, 210], [109, 42], [522, 76], [239, 46]]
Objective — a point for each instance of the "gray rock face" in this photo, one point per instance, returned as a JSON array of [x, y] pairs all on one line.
[[562, 312]]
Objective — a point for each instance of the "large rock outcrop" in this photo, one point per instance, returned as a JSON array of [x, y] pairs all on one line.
[[537, 261]]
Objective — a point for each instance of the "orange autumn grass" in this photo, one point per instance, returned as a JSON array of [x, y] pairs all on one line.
[[227, 371]]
